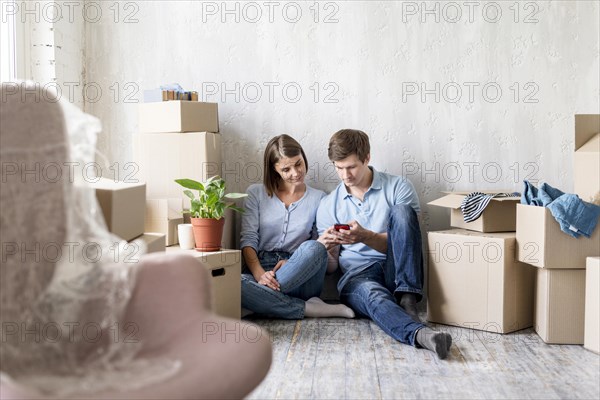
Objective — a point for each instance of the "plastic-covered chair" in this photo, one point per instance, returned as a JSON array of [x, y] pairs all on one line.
[[170, 301]]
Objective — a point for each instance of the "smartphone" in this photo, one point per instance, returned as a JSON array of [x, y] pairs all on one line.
[[337, 227]]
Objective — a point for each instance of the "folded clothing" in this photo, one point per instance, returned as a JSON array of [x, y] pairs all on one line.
[[575, 216]]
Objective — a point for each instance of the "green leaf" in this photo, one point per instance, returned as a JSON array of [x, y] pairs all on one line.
[[190, 184], [234, 208], [236, 195], [209, 203], [189, 194], [211, 179]]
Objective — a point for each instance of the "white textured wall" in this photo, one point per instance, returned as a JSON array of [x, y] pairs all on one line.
[[51, 44], [371, 54]]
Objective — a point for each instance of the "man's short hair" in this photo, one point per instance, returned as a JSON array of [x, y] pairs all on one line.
[[346, 142]]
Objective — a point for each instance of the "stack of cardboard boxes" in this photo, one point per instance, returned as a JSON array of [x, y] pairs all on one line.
[[180, 139], [563, 315], [177, 139], [123, 206], [475, 280], [514, 268]]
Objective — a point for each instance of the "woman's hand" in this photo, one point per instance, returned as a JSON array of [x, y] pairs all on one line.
[[279, 265], [268, 279]]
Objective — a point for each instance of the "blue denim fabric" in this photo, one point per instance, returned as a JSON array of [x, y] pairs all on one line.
[[372, 292], [575, 216], [300, 279]]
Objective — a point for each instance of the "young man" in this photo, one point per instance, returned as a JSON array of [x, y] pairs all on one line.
[[381, 254]]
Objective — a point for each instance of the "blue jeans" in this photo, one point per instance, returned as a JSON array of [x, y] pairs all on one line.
[[372, 293], [300, 279]]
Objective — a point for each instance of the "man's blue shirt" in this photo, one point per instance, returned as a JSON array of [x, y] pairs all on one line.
[[371, 213]]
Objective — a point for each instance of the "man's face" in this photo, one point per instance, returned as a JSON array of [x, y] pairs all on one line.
[[351, 170]]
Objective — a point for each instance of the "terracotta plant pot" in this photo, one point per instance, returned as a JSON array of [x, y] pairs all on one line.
[[208, 233]]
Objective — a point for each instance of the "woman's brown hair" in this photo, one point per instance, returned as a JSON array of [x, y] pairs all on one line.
[[279, 147]]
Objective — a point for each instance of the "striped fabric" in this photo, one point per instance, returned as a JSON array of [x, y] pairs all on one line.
[[475, 203]]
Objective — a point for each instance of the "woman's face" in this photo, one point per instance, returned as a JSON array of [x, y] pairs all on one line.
[[292, 170]]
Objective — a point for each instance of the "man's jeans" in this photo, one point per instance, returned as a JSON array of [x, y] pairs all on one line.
[[372, 293], [300, 278]]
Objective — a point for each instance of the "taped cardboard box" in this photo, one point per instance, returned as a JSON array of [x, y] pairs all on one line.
[[123, 206], [178, 116], [475, 282], [591, 337], [541, 243], [155, 242], [164, 157], [559, 305], [163, 216], [498, 216]]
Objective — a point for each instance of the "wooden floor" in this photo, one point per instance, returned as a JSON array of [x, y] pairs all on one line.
[[334, 358]]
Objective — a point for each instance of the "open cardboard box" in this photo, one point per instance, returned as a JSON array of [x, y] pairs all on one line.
[[498, 216], [541, 243], [586, 169]]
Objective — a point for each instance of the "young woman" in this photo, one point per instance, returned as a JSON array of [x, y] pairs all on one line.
[[285, 266]]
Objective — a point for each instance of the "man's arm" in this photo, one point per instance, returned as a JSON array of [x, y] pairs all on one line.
[[325, 223]]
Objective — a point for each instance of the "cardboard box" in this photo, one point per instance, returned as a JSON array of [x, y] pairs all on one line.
[[475, 282], [178, 116], [591, 336], [164, 157], [559, 305], [225, 269], [163, 216], [541, 243], [155, 242], [498, 216], [123, 206], [586, 171]]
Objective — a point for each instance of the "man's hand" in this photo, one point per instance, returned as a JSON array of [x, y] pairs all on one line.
[[329, 238], [356, 234]]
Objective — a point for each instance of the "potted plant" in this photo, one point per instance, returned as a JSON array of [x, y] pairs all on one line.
[[207, 209]]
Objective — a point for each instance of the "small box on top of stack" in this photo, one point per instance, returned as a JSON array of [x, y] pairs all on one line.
[[178, 138], [474, 279], [560, 252]]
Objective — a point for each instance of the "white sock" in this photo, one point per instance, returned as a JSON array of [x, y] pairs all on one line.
[[317, 308]]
